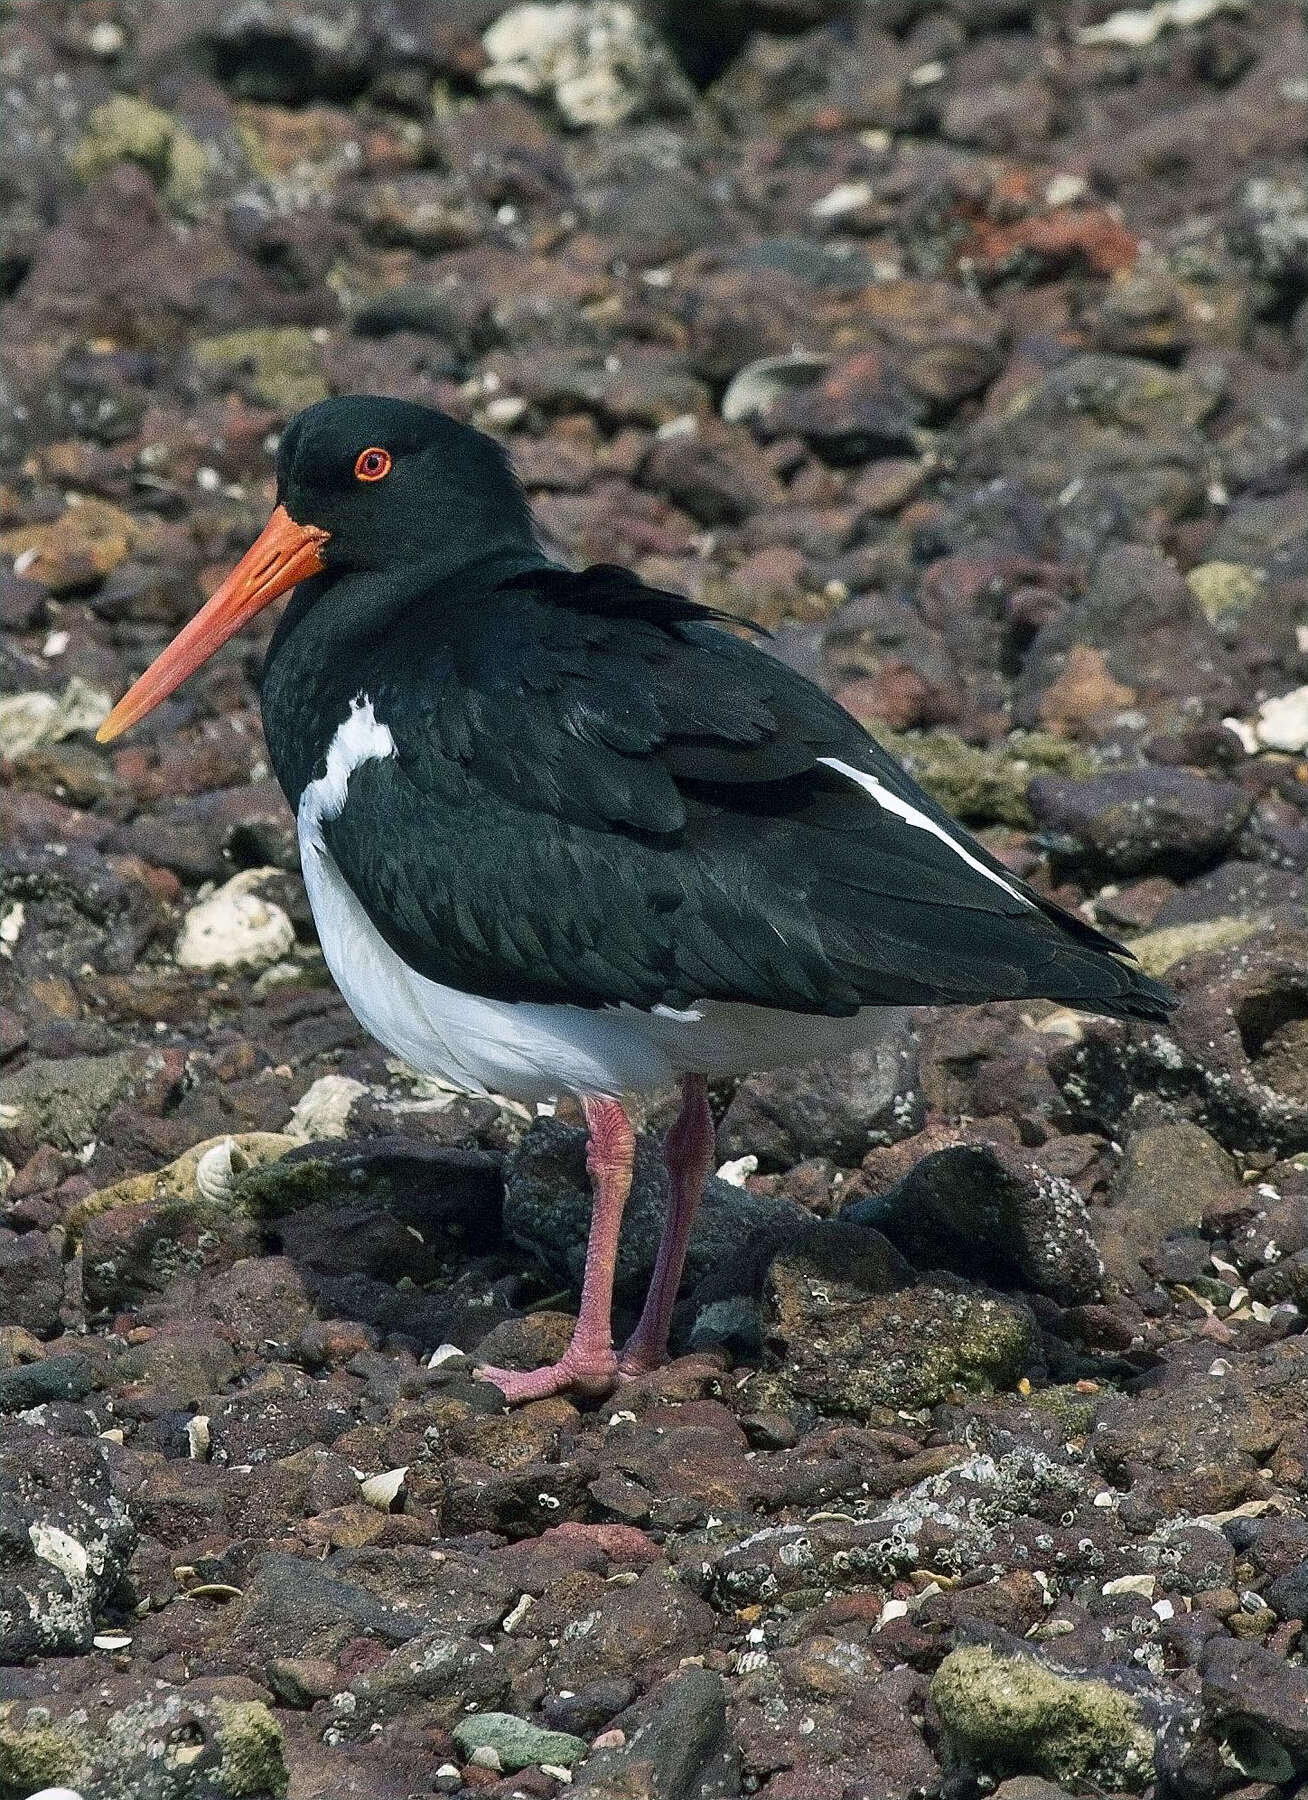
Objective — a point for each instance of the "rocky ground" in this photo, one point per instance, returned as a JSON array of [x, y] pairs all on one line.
[[961, 344]]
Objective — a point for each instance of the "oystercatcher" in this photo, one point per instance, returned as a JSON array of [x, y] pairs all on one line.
[[563, 833]]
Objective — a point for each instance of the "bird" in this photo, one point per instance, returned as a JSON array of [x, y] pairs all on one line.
[[566, 833]]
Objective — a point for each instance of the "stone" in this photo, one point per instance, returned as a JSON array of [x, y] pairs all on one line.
[[597, 60], [984, 786], [1015, 1712], [851, 1332], [127, 127], [675, 1748], [547, 1210], [63, 1101], [30, 720], [840, 1109], [281, 364], [236, 927], [31, 1281], [1140, 821], [76, 550], [1248, 1689], [517, 1743], [990, 1211], [1169, 1177], [67, 1541]]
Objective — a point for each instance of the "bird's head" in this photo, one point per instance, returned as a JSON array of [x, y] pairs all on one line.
[[364, 484]]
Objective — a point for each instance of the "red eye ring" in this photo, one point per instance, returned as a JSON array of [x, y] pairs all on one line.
[[372, 464]]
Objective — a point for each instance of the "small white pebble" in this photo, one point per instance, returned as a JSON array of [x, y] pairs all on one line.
[[442, 1354], [208, 480], [926, 74], [55, 644], [735, 1173]]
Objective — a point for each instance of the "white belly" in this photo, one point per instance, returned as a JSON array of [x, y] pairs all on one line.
[[531, 1051]]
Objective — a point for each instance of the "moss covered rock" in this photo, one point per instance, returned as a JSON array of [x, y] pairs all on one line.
[[984, 786], [279, 364], [128, 129], [1014, 1714]]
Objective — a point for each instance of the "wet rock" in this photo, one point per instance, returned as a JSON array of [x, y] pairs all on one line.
[[851, 1334], [1015, 1712], [839, 1109], [993, 1212], [675, 1745], [1251, 1696], [1140, 821], [67, 1541]]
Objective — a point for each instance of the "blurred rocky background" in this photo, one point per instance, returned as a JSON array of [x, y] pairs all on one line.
[[962, 345]]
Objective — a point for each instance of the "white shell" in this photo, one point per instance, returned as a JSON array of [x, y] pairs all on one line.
[[323, 1110], [197, 1436], [759, 384], [216, 1168], [235, 927], [382, 1490]]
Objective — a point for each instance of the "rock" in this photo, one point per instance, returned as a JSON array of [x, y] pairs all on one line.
[[1282, 722], [1169, 1177], [517, 1743], [718, 477], [598, 61], [63, 1102], [234, 1747], [1139, 821], [850, 410], [1225, 590], [984, 786], [840, 1109], [235, 927], [31, 1281], [1156, 951], [852, 1334], [76, 550], [1152, 635], [1249, 1694], [676, 1745], [323, 1110], [992, 1212], [33, 1384], [547, 1210], [131, 129], [281, 364], [1014, 1712], [67, 1541], [29, 720]]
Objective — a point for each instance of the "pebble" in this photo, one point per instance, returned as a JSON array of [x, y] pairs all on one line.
[[235, 928]]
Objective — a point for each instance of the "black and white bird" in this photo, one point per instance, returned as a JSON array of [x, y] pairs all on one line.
[[563, 833]]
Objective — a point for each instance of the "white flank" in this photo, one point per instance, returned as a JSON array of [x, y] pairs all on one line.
[[910, 814]]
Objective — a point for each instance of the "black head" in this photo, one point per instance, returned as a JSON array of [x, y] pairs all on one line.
[[397, 483]]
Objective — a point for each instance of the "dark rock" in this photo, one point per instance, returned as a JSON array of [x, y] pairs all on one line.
[[851, 1333], [839, 1109], [1251, 1696], [990, 1211], [31, 1281], [1169, 1177], [1140, 821], [676, 1749], [547, 1210], [33, 1384], [64, 1543]]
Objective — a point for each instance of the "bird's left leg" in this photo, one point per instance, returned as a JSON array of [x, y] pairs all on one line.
[[588, 1366], [688, 1152]]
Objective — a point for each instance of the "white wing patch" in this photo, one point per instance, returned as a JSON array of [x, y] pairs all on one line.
[[359, 738], [912, 815]]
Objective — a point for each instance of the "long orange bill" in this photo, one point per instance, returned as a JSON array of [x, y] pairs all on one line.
[[282, 554]]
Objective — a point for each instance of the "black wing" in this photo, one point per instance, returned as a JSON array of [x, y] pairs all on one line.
[[599, 797]]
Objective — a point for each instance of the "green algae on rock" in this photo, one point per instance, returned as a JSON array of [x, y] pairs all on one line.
[[1013, 1713]]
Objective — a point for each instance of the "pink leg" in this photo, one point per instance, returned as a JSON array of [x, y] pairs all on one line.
[[588, 1365], [689, 1154]]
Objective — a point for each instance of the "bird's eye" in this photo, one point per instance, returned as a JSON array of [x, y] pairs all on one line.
[[372, 464]]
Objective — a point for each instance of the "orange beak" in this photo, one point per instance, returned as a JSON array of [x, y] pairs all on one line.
[[282, 554]]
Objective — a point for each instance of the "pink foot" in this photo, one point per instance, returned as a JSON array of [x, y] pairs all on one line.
[[639, 1358], [588, 1378]]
